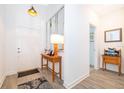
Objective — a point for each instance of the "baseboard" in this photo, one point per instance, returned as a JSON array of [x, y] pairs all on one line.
[[2, 80], [74, 83], [8, 73]]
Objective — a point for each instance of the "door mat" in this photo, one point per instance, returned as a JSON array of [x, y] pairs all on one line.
[[28, 72]]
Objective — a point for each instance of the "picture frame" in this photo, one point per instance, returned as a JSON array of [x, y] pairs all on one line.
[[114, 35]]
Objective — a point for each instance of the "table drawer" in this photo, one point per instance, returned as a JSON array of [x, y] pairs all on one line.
[[111, 60]]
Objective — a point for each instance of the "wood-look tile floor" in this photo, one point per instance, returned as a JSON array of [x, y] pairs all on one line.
[[12, 81], [98, 79]]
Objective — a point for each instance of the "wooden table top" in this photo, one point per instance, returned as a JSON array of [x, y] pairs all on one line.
[[43, 54], [111, 55]]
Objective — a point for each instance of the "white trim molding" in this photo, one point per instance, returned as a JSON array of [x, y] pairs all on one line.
[[2, 80], [74, 83]]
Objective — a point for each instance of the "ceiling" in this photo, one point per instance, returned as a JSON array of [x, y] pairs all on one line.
[[105, 9]]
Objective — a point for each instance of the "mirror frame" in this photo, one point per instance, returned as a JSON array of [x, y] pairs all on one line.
[[120, 35]]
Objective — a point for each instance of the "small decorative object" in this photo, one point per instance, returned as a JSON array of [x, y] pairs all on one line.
[[48, 52], [111, 52], [51, 53], [114, 35], [45, 50]]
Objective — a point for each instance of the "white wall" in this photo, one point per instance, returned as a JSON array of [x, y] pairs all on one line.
[[110, 21], [10, 39], [2, 45], [17, 19], [76, 45]]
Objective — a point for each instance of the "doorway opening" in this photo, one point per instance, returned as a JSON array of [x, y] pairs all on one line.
[[92, 30]]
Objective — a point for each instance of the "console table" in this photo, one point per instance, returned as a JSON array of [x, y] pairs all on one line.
[[112, 60], [53, 60]]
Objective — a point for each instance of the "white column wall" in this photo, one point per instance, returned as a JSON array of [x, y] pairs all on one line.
[[76, 45]]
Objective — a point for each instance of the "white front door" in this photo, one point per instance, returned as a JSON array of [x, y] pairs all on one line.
[[28, 43]]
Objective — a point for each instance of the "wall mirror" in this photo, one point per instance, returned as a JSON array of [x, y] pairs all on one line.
[[55, 25], [114, 35]]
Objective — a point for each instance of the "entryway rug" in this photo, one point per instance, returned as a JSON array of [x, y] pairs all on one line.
[[40, 83], [28, 72]]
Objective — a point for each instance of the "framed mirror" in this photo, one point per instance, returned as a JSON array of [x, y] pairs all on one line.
[[114, 35]]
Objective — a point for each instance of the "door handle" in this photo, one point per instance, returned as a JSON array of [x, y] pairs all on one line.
[[18, 50]]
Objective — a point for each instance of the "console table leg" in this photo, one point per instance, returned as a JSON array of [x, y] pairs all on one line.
[[119, 68], [47, 64], [105, 66], [60, 70], [42, 62], [53, 72]]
